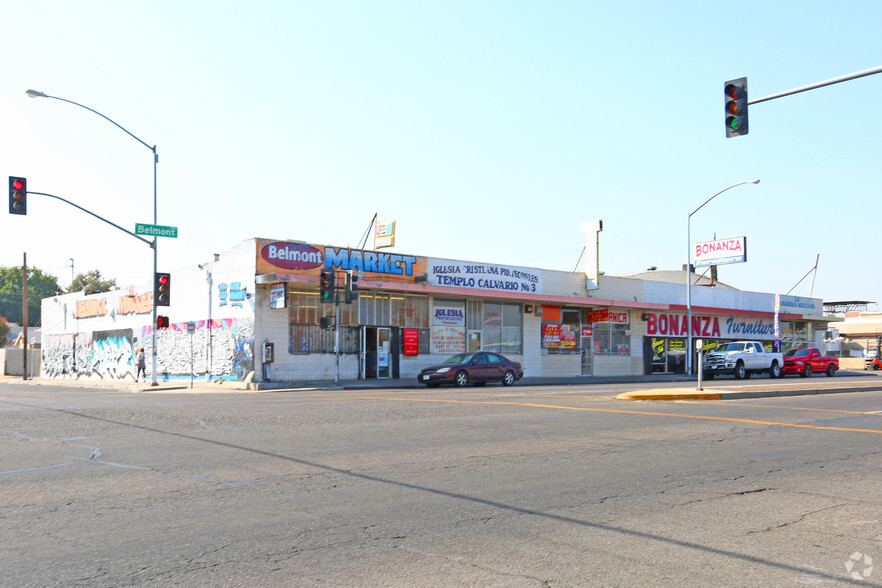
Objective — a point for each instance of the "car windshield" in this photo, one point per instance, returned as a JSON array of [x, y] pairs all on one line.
[[732, 347], [797, 353], [461, 358]]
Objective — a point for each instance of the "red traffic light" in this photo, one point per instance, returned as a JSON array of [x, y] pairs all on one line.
[[17, 184], [161, 322], [163, 280]]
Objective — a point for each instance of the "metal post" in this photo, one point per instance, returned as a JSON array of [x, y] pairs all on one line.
[[24, 315], [689, 294], [689, 272], [336, 335], [155, 259], [700, 356]]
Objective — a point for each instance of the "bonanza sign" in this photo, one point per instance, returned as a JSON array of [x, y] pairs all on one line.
[[716, 327], [720, 252]]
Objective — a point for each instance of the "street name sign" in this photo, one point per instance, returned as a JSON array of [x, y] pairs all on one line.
[[156, 230]]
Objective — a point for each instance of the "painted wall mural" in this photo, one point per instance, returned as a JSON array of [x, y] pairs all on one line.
[[110, 355]]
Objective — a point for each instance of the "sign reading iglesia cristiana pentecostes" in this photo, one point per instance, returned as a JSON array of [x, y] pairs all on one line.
[[483, 276]]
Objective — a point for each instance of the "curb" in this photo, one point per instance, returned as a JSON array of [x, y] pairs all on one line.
[[722, 394]]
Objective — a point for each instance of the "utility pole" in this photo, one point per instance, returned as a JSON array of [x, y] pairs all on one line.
[[24, 315]]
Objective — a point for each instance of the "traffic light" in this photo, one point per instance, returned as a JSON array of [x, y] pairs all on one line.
[[736, 107], [162, 289], [18, 195], [351, 287], [326, 293], [161, 322]]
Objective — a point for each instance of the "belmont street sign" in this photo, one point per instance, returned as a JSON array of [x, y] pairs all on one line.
[[156, 230]]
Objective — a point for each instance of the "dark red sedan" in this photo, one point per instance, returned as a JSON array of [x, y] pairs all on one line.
[[476, 368]]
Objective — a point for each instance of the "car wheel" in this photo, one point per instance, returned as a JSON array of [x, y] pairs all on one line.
[[775, 370], [462, 378], [831, 370], [508, 379], [875, 366], [806, 371], [740, 372]]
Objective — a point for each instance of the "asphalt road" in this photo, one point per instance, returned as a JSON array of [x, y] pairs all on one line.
[[492, 486]]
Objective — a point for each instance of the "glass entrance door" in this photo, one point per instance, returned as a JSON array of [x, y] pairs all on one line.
[[384, 350], [587, 355]]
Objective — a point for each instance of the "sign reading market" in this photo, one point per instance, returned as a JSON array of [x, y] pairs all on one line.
[[713, 327]]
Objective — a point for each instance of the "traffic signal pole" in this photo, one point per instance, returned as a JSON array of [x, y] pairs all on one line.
[[830, 82]]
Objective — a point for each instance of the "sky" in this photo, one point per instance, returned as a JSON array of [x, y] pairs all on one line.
[[487, 130]]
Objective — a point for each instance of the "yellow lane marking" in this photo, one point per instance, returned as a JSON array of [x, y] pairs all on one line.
[[873, 413], [607, 410]]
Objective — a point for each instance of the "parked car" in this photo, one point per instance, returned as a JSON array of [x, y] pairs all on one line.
[[741, 359], [807, 361], [476, 368]]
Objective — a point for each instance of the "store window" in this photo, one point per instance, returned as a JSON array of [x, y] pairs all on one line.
[[561, 331], [448, 326], [476, 325], [612, 332], [305, 311]]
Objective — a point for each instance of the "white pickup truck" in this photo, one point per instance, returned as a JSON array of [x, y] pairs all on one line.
[[741, 359]]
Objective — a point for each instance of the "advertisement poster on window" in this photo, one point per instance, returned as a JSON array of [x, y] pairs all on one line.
[[278, 295], [448, 340], [558, 336], [551, 336], [450, 316], [411, 342]]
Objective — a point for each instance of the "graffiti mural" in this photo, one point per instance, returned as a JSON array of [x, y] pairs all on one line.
[[233, 294], [113, 355], [66, 356], [227, 344]]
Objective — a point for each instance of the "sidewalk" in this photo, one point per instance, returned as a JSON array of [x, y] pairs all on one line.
[[847, 381]]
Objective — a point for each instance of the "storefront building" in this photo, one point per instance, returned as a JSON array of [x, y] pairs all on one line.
[[256, 312]]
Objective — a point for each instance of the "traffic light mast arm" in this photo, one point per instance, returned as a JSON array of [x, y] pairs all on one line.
[[138, 237], [830, 82]]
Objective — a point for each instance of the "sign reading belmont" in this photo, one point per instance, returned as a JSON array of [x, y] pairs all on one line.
[[156, 230]]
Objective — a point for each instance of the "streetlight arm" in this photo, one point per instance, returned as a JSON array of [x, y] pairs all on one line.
[[36, 94], [754, 181], [152, 244]]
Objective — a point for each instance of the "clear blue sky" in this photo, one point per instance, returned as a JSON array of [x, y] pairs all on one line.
[[488, 130]]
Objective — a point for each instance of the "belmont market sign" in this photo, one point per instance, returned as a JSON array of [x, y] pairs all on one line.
[[715, 327]]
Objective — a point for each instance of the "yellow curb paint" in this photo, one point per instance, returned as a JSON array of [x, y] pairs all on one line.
[[669, 395]]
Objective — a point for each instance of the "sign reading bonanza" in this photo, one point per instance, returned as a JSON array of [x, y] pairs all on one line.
[[721, 252]]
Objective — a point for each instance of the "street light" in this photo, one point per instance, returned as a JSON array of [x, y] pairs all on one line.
[[37, 94], [689, 272]]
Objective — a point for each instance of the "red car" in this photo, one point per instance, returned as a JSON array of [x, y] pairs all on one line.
[[807, 361], [472, 368]]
